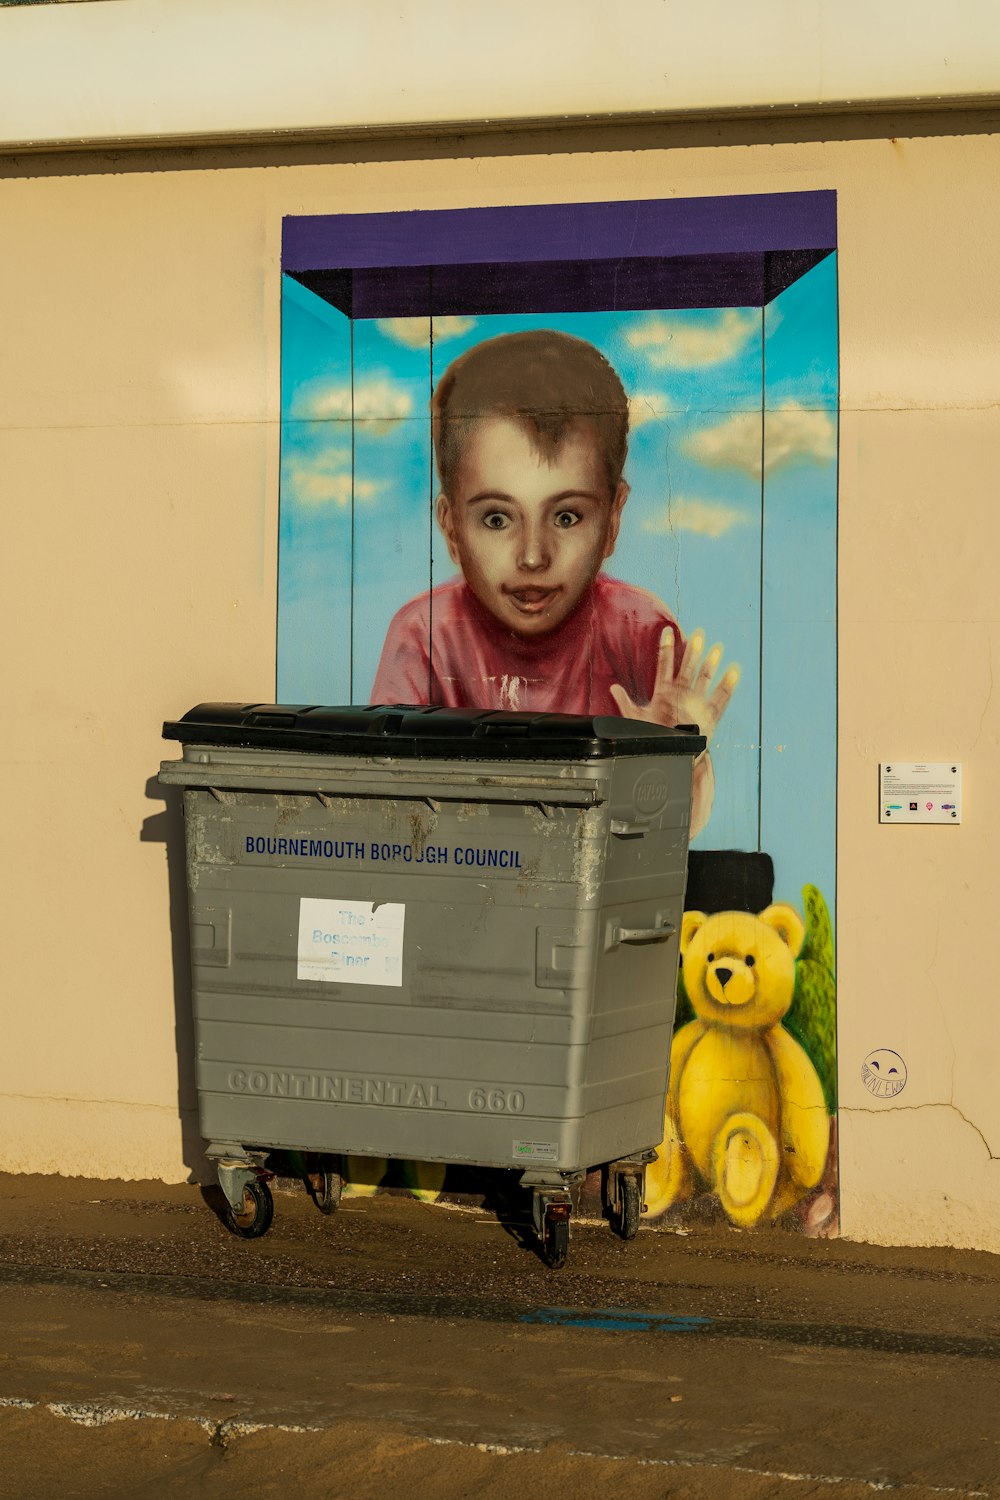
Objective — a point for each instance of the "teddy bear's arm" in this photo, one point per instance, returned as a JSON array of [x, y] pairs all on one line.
[[683, 1045], [669, 1177], [805, 1124]]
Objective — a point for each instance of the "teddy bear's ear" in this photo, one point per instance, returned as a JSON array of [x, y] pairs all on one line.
[[690, 923], [787, 924]]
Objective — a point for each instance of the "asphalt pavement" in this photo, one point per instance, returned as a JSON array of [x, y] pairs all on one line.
[[398, 1347]]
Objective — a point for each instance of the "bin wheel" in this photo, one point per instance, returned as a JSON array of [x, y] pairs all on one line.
[[555, 1238], [626, 1221], [326, 1190], [254, 1218]]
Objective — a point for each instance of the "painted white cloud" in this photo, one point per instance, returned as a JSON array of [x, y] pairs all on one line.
[[324, 478], [687, 343], [795, 433], [647, 406], [734, 443], [711, 518], [381, 403], [415, 333]]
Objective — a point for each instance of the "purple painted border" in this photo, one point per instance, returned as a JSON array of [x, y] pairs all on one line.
[[752, 222]]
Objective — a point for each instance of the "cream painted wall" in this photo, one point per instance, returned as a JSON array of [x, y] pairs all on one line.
[[138, 455], [146, 70]]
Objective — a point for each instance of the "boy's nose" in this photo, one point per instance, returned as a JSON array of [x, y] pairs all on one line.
[[534, 553]]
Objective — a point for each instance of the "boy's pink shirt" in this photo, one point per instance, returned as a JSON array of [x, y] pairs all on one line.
[[611, 639]]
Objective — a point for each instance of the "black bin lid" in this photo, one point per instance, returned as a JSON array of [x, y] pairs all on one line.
[[432, 733]]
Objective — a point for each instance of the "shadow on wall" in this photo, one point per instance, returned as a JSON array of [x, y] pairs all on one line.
[[167, 828]]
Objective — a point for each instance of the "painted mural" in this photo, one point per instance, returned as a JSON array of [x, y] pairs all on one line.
[[583, 458]]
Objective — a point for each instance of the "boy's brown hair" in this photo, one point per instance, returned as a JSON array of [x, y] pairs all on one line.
[[543, 379]]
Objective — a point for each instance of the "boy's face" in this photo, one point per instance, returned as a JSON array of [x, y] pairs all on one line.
[[530, 534]]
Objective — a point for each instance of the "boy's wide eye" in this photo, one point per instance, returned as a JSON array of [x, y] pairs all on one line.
[[566, 518], [496, 520]]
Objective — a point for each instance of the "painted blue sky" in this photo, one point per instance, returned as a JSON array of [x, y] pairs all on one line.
[[732, 468]]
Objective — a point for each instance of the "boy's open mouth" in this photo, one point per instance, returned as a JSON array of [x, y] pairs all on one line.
[[531, 601]]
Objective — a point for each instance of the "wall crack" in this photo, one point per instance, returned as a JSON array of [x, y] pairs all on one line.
[[862, 1109], [989, 692]]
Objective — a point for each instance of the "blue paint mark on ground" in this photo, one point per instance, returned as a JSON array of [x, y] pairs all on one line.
[[615, 1319]]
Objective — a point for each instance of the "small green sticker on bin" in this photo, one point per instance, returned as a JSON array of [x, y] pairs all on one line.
[[536, 1150]]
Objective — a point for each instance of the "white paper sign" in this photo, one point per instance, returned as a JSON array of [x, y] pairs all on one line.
[[351, 942], [920, 792]]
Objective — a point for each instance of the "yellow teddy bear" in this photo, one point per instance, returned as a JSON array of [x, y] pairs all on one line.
[[746, 1117]]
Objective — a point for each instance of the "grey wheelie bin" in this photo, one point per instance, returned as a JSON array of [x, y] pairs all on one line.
[[434, 934]]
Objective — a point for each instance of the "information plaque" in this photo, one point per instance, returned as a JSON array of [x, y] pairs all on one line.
[[916, 791]]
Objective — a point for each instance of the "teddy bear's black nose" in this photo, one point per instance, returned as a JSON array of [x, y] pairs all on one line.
[[723, 976]]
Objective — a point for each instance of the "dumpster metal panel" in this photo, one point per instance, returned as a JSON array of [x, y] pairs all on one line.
[[437, 938]]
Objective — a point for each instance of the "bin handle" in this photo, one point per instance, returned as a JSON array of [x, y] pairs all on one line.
[[658, 934], [623, 829], [271, 721]]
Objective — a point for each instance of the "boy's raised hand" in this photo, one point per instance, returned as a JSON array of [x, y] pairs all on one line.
[[686, 697]]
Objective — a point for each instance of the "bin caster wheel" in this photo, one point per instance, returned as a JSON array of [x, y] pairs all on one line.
[[626, 1221], [254, 1218], [326, 1188], [555, 1235]]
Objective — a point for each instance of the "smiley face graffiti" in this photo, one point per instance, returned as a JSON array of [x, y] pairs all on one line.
[[883, 1073]]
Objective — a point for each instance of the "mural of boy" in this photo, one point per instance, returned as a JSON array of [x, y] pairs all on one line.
[[730, 434], [530, 434]]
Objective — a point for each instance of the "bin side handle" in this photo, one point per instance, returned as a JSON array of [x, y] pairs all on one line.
[[658, 934], [623, 829]]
